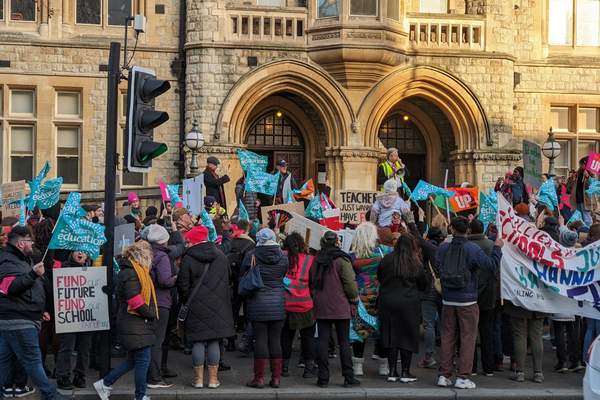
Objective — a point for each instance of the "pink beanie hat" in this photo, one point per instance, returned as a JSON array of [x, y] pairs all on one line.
[[132, 196]]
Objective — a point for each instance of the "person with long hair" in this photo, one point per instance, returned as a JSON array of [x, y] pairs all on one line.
[[298, 305], [367, 255], [138, 311], [403, 281], [335, 297]]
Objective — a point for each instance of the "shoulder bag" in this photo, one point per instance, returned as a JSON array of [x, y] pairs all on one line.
[[251, 281], [184, 310]]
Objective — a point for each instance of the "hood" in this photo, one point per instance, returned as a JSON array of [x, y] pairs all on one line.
[[478, 236], [205, 252], [160, 247], [387, 200], [269, 255]]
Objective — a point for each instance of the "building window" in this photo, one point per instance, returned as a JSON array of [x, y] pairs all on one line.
[[1, 10], [118, 11], [402, 134], [434, 6], [393, 9], [68, 104], [89, 12], [574, 22], [67, 154], [273, 129], [21, 153], [563, 162], [588, 20], [22, 102], [270, 3], [22, 10], [327, 8], [363, 7]]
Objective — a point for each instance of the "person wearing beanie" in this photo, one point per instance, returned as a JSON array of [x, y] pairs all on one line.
[[551, 228], [266, 307], [522, 210], [335, 297], [214, 183], [134, 204], [210, 317]]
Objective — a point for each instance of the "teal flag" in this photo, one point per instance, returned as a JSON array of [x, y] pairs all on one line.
[[314, 208], [208, 223], [406, 189], [47, 194], [77, 234], [423, 190], [252, 161], [243, 213], [488, 209], [174, 194], [576, 216], [36, 184], [261, 182], [22, 211], [547, 194], [594, 188]]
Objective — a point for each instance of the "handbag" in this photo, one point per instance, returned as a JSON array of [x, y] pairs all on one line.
[[251, 281], [184, 310], [437, 284]]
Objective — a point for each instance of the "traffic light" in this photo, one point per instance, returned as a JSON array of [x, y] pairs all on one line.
[[142, 118]]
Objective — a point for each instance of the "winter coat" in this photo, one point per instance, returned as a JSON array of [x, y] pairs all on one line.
[[240, 246], [476, 259], [247, 198], [581, 184], [332, 301], [214, 186], [22, 294], [519, 191], [162, 275], [135, 330], [268, 303], [210, 315], [488, 288], [281, 182], [366, 277], [385, 206]]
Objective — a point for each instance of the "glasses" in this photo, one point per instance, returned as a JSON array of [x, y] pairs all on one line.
[[26, 240]]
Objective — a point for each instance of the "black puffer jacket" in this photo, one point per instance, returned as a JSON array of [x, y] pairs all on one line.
[[210, 314], [267, 304], [135, 331], [22, 294]]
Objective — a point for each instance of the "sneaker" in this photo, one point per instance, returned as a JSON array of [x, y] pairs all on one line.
[[159, 385], [464, 383], [8, 391], [350, 382], [64, 384], [560, 368], [374, 357], [407, 377], [443, 381], [518, 377], [576, 367], [538, 377], [102, 390], [301, 364], [332, 355], [489, 374], [427, 362], [23, 391], [145, 398], [393, 377], [168, 373], [79, 382]]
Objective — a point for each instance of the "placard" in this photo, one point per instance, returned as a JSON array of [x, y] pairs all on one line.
[[11, 193], [593, 164], [354, 204], [464, 199], [193, 194], [124, 236], [80, 305], [532, 164], [309, 230], [296, 207]]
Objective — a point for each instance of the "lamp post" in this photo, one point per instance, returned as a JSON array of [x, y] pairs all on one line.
[[551, 150], [194, 140]]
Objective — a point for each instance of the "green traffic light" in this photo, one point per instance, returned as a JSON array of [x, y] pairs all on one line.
[[151, 150]]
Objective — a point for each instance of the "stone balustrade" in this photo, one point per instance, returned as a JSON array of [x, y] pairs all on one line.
[[266, 24], [447, 31]]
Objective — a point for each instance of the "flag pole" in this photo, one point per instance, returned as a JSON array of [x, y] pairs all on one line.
[[53, 229], [447, 203]]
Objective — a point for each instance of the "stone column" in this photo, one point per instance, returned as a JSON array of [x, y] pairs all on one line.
[[352, 168]]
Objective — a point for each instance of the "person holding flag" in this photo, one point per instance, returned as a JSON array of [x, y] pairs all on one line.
[[286, 182], [248, 199]]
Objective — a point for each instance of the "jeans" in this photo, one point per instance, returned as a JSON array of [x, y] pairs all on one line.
[[587, 218], [136, 359], [211, 347], [342, 328], [466, 319], [162, 323], [23, 344], [592, 331], [82, 341], [523, 329], [429, 309]]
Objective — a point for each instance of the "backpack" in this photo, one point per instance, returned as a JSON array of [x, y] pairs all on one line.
[[236, 257], [455, 273]]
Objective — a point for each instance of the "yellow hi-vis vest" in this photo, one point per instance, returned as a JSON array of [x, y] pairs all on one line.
[[389, 171]]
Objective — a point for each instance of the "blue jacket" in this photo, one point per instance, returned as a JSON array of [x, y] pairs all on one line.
[[477, 259]]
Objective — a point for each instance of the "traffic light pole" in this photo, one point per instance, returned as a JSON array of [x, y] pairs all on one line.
[[110, 172]]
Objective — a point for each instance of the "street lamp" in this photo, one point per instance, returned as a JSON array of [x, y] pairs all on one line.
[[551, 149], [194, 140]]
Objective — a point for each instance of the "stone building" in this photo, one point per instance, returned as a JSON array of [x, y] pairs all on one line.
[[325, 84]]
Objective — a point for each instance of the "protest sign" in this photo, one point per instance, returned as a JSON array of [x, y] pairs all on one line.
[[124, 236], [309, 230], [10, 194], [542, 275], [193, 194], [354, 204], [346, 237], [532, 164], [297, 208], [80, 305], [164, 192], [464, 199], [593, 164]]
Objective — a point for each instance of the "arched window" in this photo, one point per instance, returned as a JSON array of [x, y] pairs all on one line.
[[403, 135], [273, 129]]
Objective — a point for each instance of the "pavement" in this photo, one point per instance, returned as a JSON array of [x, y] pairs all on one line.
[[556, 386]]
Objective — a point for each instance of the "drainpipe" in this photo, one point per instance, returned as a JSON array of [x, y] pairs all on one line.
[[179, 67]]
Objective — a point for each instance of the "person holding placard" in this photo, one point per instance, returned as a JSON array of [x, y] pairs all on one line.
[[215, 183]]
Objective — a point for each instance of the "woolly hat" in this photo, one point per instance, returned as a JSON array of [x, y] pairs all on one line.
[[522, 209], [390, 186], [197, 234], [132, 196], [157, 234], [265, 235], [209, 201], [568, 238]]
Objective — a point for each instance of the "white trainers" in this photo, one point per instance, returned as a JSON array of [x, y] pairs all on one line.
[[443, 381], [102, 390], [384, 369], [357, 366], [145, 398], [463, 383]]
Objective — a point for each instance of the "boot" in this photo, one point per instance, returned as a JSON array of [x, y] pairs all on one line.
[[213, 380], [276, 367], [198, 377], [357, 366], [384, 369], [285, 368], [309, 369], [259, 374]]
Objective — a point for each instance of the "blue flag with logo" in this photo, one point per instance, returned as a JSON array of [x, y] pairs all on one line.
[[547, 194], [46, 195], [252, 161], [262, 182], [423, 190], [208, 223], [74, 233], [594, 188], [243, 213], [36, 184], [22, 211], [174, 194], [488, 209], [314, 208]]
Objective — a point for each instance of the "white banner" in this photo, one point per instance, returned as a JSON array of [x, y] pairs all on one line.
[[80, 305], [193, 194], [541, 275]]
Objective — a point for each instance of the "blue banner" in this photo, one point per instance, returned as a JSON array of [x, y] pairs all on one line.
[[547, 194], [423, 190], [261, 182], [576, 216], [252, 161], [594, 188]]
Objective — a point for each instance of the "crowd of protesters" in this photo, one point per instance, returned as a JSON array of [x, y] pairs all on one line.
[[397, 265]]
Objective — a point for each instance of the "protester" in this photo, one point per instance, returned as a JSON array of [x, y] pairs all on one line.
[[138, 310], [298, 305], [266, 307], [579, 199], [284, 175], [518, 189], [134, 205], [403, 279], [204, 285], [391, 168], [458, 261], [213, 183], [387, 204], [22, 304], [592, 325], [367, 255], [335, 296], [248, 199]]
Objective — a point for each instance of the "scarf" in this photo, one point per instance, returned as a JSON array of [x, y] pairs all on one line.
[[147, 292]]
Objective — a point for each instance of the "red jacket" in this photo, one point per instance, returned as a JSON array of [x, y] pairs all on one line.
[[297, 294]]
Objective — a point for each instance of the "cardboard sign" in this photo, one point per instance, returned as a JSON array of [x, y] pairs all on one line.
[[193, 194], [80, 305], [124, 236], [354, 204], [296, 208], [346, 237], [464, 199], [532, 164], [593, 164], [309, 230], [11, 193]]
